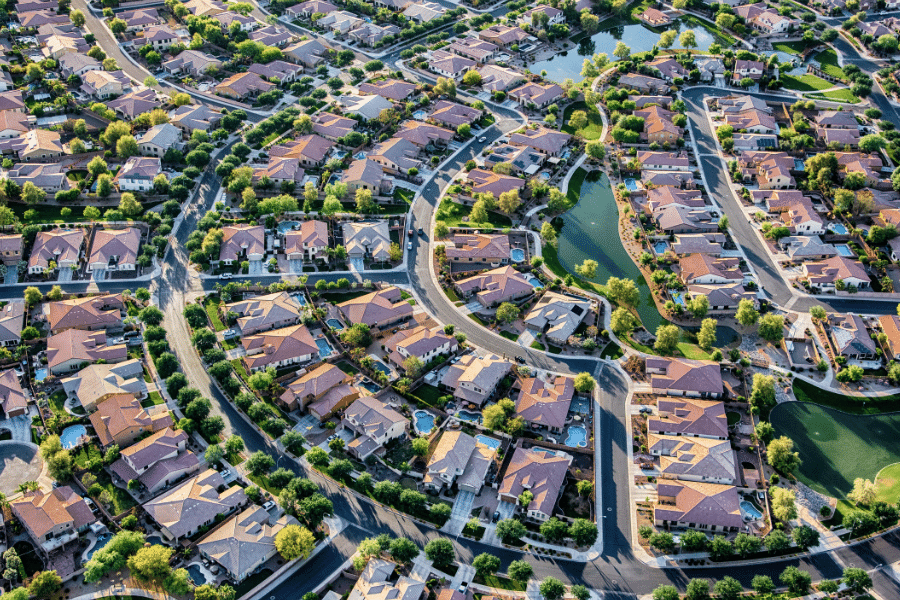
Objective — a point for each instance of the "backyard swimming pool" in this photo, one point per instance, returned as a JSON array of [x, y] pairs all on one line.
[[844, 250], [577, 437], [534, 281], [420, 115], [517, 254], [196, 574], [102, 540], [334, 324], [488, 441], [750, 512], [325, 349], [838, 228], [631, 184], [301, 299], [660, 247], [380, 366], [677, 297], [424, 422], [464, 415], [40, 375], [370, 385], [71, 436], [286, 226]]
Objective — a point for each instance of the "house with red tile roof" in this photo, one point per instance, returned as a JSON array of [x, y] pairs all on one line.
[[121, 420], [310, 149], [488, 182], [659, 126], [114, 250], [542, 139], [335, 399], [242, 241], [479, 249], [378, 310], [545, 403], [461, 459], [478, 50], [331, 126], [61, 246], [475, 379], [706, 269], [689, 417], [364, 174], [262, 313], [851, 338], [393, 89], [243, 86], [420, 342], [13, 400], [279, 170], [503, 36], [89, 313], [12, 317], [537, 95], [396, 155], [424, 134], [654, 18], [279, 348], [450, 64], [890, 325], [312, 386], [52, 519], [157, 461], [307, 243], [824, 275], [689, 504], [375, 424], [138, 173], [72, 348], [496, 286], [694, 458], [95, 383], [684, 377], [542, 474], [453, 114]]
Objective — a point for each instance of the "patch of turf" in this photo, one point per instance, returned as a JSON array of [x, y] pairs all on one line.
[[806, 392], [509, 335], [887, 484], [805, 83], [594, 126], [840, 95]]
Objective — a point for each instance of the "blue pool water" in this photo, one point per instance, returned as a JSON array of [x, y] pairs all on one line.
[[380, 366], [547, 453], [424, 422], [360, 155], [677, 297], [545, 176], [40, 374], [301, 299], [844, 250], [798, 165], [577, 437], [534, 281], [464, 415], [838, 228], [334, 324], [370, 385], [71, 435], [631, 184], [154, 540], [751, 513], [286, 226], [196, 574], [102, 540], [660, 247], [488, 441], [325, 349], [420, 115], [517, 254]]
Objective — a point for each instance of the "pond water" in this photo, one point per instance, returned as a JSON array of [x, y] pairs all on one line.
[[636, 36], [590, 231], [424, 422], [71, 436]]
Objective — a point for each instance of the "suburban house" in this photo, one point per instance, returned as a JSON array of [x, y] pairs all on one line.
[[183, 510], [545, 403], [262, 313], [654, 18], [158, 139], [424, 134], [663, 161], [244, 86], [705, 506], [396, 155], [138, 173], [331, 126], [479, 249], [557, 316], [364, 174], [488, 182], [474, 379], [12, 317], [309, 53], [334, 400], [309, 8], [643, 84], [159, 37], [375, 424], [752, 121], [157, 461], [499, 79], [684, 377], [522, 159], [192, 62], [706, 269], [114, 250], [104, 84], [244, 542], [49, 177], [340, 22], [421, 343], [496, 286], [12, 397], [725, 297], [376, 581], [450, 64], [689, 417], [890, 325], [392, 89], [279, 348], [95, 383], [548, 141], [504, 36], [89, 313], [52, 519], [710, 243], [72, 348], [771, 169], [537, 95], [75, 63], [367, 239], [423, 11], [851, 338], [478, 50], [189, 117], [121, 420], [694, 458], [369, 34], [541, 474], [140, 19], [752, 69], [458, 459], [307, 243], [824, 275], [674, 219], [34, 145], [13, 124], [366, 107], [311, 150], [272, 36], [311, 386], [669, 68], [379, 310], [453, 114], [242, 242], [659, 127]]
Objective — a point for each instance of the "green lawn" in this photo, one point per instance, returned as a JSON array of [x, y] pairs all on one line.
[[453, 213], [477, 319], [238, 365], [806, 392], [612, 351], [451, 293], [85, 453], [152, 400], [57, 403], [594, 126], [212, 306], [839, 95], [509, 335], [805, 83], [837, 447], [789, 47], [828, 62], [262, 481], [732, 417], [403, 195], [428, 394], [347, 368], [693, 351], [537, 345], [500, 582], [887, 484]]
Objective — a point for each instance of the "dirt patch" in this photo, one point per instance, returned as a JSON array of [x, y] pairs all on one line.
[[639, 431]]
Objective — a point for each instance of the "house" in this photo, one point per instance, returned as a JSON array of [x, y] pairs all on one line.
[[642, 84], [331, 126], [754, 141], [228, 18], [503, 36], [365, 107], [557, 316], [307, 243], [52, 519], [158, 139], [12, 397], [421, 343], [59, 246], [34, 145], [738, 104], [192, 62], [772, 169], [69, 350], [471, 47], [262, 313], [367, 239], [138, 173], [244, 542], [140, 19], [522, 159], [12, 316], [279, 348], [706, 269], [376, 581], [458, 459], [276, 37], [842, 138], [890, 325], [396, 155], [364, 174], [710, 68], [424, 134], [654, 18], [475, 379], [393, 89], [802, 219], [669, 68], [121, 420], [334, 400], [450, 65], [311, 150], [104, 84], [669, 196], [375, 423], [723, 297], [675, 219], [312, 386], [545, 403], [542, 139], [752, 69], [379, 310], [824, 275], [75, 63], [659, 127], [536, 95], [641, 101], [752, 121], [182, 511], [114, 250], [281, 170], [12, 100], [277, 71], [869, 165], [134, 104], [160, 37], [496, 286], [309, 53], [684, 377], [36, 18], [689, 417], [488, 182], [89, 313], [759, 17], [423, 12], [309, 8], [50, 177], [394, 5], [95, 383], [542, 474], [694, 458], [242, 241], [244, 86], [804, 248], [543, 15], [369, 34], [157, 461], [479, 249], [667, 179], [851, 338], [704, 506], [453, 114], [837, 119], [202, 8], [663, 161], [189, 117]]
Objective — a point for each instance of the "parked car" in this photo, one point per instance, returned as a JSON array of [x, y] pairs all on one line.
[[482, 140], [226, 276], [269, 505], [409, 245], [496, 517]]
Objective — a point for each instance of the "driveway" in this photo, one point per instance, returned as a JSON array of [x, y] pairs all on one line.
[[506, 510], [256, 267], [296, 266], [96, 274], [462, 508], [12, 275], [19, 427], [18, 463], [357, 264]]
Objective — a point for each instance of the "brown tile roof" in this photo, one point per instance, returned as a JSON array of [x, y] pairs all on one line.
[[120, 413], [377, 307], [540, 473], [695, 266], [681, 374], [287, 343], [700, 503], [483, 246], [82, 346], [264, 312], [194, 502], [691, 417], [86, 313], [42, 512], [393, 89], [494, 183], [313, 148], [12, 397], [545, 403], [313, 384]]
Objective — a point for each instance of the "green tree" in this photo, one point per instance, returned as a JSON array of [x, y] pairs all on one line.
[[697, 589], [404, 550], [623, 291], [771, 328], [622, 321], [584, 383], [762, 584], [805, 536], [583, 532], [260, 463], [667, 338], [587, 269], [510, 530], [294, 541], [440, 552], [520, 571], [856, 579], [797, 581], [151, 564], [486, 565], [706, 337], [746, 313], [762, 394], [781, 455], [507, 313], [552, 589], [46, 583], [666, 592]]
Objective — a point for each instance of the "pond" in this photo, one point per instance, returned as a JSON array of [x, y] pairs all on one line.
[[71, 436], [424, 422], [591, 231], [638, 37]]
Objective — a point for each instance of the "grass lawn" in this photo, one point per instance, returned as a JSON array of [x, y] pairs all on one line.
[[693, 351], [451, 293], [152, 400], [343, 296], [428, 394], [840, 95], [85, 453], [347, 368], [537, 345], [612, 351], [453, 213], [887, 484], [553, 349], [594, 126], [501, 582], [57, 403], [121, 500], [805, 83], [806, 392], [789, 47], [732, 417], [509, 335], [837, 447], [828, 62], [262, 481], [477, 319], [403, 195], [238, 365], [229, 344], [212, 305]]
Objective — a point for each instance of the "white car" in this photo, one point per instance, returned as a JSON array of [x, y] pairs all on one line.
[[409, 245], [226, 276], [482, 140]]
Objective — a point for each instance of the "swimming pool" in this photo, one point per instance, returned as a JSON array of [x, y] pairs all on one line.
[[464, 415], [325, 349], [360, 155], [334, 324], [631, 184], [545, 176], [798, 165], [102, 540], [370, 385], [419, 115], [286, 226], [488, 441], [534, 281], [844, 250], [751, 513], [660, 247], [40, 374], [838, 228], [424, 422], [577, 437], [301, 299], [517, 254], [544, 451], [380, 366], [71, 436], [196, 574], [677, 297]]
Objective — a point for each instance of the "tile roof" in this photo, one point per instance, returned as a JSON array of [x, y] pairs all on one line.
[[496, 285], [12, 396], [542, 139], [545, 402], [681, 374], [537, 93], [196, 501], [113, 247], [374, 417], [558, 315], [97, 382], [454, 114], [542, 474], [262, 312], [85, 313], [331, 125], [377, 307], [367, 236], [694, 457], [363, 170], [375, 584], [118, 414], [313, 384], [479, 245], [832, 269], [398, 151], [418, 342], [164, 135], [851, 336], [12, 317], [311, 147], [394, 89], [700, 503], [287, 343], [250, 238], [494, 183], [244, 541], [59, 245], [83, 347], [42, 512], [312, 234], [422, 134], [696, 266], [140, 167], [690, 417], [470, 372]]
